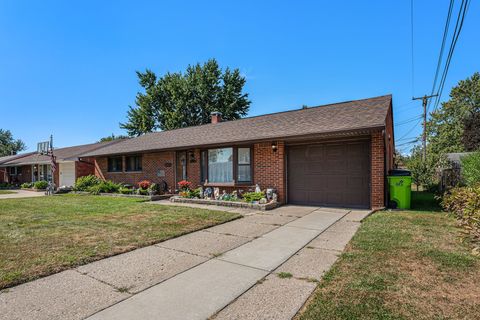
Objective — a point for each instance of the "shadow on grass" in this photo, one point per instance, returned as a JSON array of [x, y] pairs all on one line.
[[425, 201]]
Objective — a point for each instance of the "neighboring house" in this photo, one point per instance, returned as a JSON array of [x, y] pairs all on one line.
[[33, 167], [452, 175], [333, 155], [4, 171]]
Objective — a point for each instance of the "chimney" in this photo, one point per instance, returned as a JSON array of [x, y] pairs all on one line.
[[216, 117]]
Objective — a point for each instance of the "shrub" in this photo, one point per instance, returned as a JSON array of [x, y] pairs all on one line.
[[145, 184], [84, 183], [26, 185], [253, 196], [471, 169], [124, 190], [464, 204], [193, 193], [185, 185], [104, 187], [41, 185]]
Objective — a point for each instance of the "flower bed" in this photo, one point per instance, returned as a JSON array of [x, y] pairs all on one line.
[[154, 197], [236, 204]]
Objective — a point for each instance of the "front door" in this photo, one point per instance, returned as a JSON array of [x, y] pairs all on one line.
[[181, 166]]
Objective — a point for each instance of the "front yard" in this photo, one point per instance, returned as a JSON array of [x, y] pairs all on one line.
[[41, 236], [402, 265]]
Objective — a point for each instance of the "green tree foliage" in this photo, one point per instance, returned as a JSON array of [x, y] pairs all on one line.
[[179, 100], [423, 172], [446, 127], [471, 169], [8, 145], [471, 132], [112, 138]]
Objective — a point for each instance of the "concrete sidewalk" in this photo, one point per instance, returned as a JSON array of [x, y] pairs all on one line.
[[22, 194], [226, 267]]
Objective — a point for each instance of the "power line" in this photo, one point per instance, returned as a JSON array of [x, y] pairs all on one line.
[[458, 28], [411, 129], [408, 120], [411, 46], [442, 48]]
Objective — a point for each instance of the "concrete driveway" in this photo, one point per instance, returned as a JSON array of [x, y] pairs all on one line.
[[21, 194], [228, 271]]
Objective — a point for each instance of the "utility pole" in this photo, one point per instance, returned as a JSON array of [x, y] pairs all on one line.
[[424, 137]]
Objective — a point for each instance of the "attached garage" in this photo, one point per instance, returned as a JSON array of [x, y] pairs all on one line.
[[329, 174]]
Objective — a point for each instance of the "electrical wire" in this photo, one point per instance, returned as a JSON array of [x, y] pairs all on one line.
[[458, 28], [408, 120], [411, 46], [442, 48]]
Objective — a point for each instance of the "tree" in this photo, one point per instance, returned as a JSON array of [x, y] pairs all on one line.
[[471, 132], [471, 169], [449, 124], [8, 145], [179, 100], [423, 172], [112, 138]]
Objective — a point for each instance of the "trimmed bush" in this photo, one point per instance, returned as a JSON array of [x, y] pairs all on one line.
[[26, 185], [86, 182], [471, 169], [464, 203], [105, 187], [41, 185], [124, 190], [253, 196]]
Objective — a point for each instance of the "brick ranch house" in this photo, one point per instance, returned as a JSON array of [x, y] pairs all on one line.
[[333, 155], [31, 167]]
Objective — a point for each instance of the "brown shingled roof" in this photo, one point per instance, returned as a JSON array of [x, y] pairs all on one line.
[[345, 116], [61, 154]]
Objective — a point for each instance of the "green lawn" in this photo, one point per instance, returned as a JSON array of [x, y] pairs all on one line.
[[6, 192], [41, 236], [402, 265]]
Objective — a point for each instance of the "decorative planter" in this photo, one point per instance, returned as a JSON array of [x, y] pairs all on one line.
[[235, 204]]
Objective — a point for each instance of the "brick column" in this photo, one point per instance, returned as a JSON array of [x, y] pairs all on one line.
[[269, 167], [377, 171]]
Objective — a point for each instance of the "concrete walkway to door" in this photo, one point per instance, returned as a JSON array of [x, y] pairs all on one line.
[[228, 271]]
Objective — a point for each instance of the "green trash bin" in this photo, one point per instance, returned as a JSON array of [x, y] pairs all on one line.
[[400, 186]]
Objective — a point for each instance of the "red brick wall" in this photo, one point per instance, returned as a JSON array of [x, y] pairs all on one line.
[[84, 167], [377, 171], [269, 167], [26, 175], [151, 163], [194, 168]]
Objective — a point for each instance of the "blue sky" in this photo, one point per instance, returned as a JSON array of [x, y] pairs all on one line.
[[68, 68]]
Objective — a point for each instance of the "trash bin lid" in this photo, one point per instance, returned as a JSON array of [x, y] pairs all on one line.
[[399, 173]]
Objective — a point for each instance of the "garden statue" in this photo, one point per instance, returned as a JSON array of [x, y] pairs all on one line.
[[208, 193], [257, 188], [269, 194], [216, 193], [274, 197], [224, 195], [200, 192], [234, 195]]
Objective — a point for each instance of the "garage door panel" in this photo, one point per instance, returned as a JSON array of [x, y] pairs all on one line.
[[330, 174]]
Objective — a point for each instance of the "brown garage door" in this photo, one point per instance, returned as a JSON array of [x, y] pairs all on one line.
[[333, 174]]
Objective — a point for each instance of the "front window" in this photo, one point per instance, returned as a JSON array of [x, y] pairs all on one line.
[[13, 171], [244, 172], [220, 165], [133, 163], [115, 164]]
